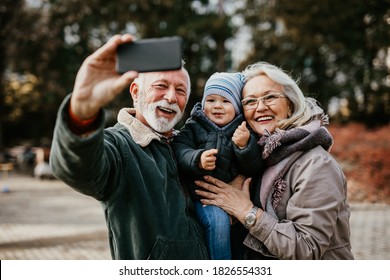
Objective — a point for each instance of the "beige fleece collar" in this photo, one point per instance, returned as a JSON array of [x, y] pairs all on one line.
[[141, 134]]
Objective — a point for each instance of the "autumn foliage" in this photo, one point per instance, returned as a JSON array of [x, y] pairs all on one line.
[[364, 155]]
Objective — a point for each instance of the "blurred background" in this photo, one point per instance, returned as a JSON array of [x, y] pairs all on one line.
[[339, 50]]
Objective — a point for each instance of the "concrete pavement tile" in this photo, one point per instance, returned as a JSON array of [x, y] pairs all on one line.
[[45, 219]]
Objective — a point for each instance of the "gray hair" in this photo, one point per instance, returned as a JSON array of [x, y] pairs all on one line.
[[141, 79], [303, 109]]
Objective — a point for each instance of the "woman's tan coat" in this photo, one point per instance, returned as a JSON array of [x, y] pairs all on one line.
[[313, 214]]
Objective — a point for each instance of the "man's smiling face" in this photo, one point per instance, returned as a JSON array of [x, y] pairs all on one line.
[[160, 98]]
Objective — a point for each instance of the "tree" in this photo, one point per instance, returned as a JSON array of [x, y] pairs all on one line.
[[8, 8], [338, 48], [49, 42]]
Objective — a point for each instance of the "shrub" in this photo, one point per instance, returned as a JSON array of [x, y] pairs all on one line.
[[364, 155]]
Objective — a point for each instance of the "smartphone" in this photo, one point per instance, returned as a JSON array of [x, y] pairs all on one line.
[[149, 55]]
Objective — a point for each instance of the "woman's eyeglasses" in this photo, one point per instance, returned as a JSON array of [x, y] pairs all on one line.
[[251, 103]]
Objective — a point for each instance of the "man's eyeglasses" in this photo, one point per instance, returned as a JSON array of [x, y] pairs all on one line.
[[251, 103]]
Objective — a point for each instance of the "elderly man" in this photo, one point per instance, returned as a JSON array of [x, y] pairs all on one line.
[[130, 167]]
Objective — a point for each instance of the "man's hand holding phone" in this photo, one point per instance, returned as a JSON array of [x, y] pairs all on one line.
[[105, 73], [97, 82]]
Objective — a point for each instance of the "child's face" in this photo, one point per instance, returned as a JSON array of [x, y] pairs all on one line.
[[219, 109]]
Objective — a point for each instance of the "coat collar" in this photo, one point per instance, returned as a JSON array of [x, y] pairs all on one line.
[[141, 133]]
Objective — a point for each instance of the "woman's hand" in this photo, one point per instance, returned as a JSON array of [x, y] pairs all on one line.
[[235, 201], [97, 82]]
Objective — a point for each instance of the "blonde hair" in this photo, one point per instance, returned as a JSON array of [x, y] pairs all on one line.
[[303, 109]]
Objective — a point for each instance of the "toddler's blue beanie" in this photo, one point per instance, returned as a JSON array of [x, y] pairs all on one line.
[[228, 85]]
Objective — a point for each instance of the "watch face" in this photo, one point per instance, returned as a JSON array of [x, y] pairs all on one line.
[[250, 219]]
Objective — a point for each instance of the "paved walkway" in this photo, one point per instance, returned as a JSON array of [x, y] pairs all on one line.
[[46, 220]]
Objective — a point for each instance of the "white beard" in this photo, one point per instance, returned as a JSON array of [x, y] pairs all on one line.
[[159, 124]]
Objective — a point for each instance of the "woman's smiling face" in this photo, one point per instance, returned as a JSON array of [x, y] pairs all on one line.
[[265, 117]]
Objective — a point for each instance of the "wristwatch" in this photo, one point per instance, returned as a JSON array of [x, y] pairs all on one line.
[[250, 218]]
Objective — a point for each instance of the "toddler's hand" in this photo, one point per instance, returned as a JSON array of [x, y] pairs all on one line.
[[241, 136], [208, 159]]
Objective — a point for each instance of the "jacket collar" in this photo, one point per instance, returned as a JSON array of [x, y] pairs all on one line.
[[141, 133]]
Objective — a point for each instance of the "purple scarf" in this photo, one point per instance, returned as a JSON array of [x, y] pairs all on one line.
[[280, 150]]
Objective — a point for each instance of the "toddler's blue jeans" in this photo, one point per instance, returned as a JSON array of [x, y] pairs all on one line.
[[217, 228]]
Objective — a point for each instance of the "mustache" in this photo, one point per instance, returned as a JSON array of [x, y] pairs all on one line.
[[165, 104]]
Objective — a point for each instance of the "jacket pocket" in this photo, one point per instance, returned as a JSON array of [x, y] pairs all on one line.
[[164, 249], [339, 252], [159, 249]]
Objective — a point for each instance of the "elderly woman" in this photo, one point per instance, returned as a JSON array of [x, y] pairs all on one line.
[[298, 208]]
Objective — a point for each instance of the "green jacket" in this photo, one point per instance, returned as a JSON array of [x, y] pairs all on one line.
[[132, 172]]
